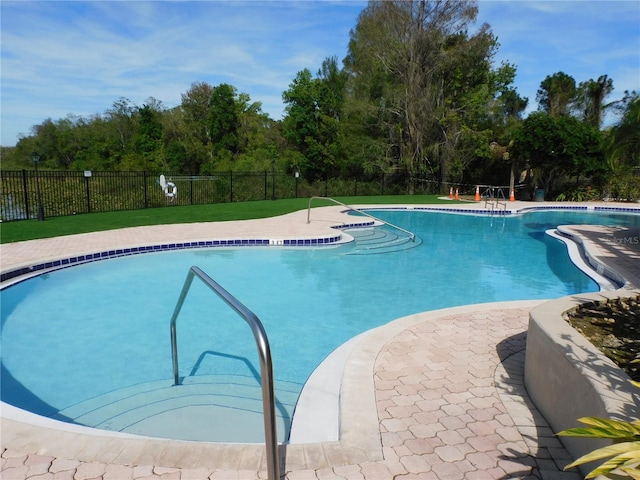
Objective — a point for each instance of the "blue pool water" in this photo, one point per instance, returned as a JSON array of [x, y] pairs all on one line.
[[73, 339]]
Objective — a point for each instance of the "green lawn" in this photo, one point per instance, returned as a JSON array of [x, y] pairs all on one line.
[[92, 222]]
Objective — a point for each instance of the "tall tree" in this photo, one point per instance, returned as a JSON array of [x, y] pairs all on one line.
[[511, 104], [623, 140], [195, 107], [556, 94], [313, 119], [195, 136], [300, 125], [331, 84], [147, 141], [590, 99], [556, 146], [422, 81], [224, 120], [623, 150], [121, 118]]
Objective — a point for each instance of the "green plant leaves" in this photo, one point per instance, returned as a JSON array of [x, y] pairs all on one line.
[[605, 428]]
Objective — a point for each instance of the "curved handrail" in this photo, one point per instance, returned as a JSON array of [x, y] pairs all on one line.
[[492, 198], [266, 369], [411, 234]]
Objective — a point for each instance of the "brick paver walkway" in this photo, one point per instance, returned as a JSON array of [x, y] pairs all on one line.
[[452, 404]]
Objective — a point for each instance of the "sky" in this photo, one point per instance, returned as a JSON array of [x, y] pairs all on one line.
[[78, 57]]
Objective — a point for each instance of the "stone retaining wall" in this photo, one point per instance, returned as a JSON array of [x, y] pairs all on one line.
[[568, 378]]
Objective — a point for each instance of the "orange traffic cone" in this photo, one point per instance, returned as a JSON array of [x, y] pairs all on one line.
[[477, 198], [451, 193], [512, 197], [457, 196]]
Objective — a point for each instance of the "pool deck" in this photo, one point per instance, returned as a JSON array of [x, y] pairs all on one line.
[[436, 395]]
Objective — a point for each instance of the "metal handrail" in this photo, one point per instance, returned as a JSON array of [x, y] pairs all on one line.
[[412, 235], [266, 370], [492, 198]]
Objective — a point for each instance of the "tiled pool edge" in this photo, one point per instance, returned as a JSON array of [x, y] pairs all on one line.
[[508, 212], [74, 260], [165, 247], [606, 278], [52, 265]]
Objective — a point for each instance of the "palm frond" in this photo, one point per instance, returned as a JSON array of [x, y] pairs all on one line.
[[605, 428], [626, 461], [626, 448]]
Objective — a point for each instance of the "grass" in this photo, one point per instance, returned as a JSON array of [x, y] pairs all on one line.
[[94, 222]]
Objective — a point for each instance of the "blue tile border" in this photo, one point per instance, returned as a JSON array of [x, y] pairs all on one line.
[[125, 252], [521, 211], [618, 209]]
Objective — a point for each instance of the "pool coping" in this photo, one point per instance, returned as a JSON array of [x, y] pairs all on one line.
[[359, 434], [331, 219]]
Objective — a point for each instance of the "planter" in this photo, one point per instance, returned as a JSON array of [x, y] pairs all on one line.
[[568, 378]]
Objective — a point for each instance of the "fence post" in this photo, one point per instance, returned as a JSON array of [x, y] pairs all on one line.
[[231, 186], [26, 193], [191, 189], [265, 184], [86, 184], [146, 199]]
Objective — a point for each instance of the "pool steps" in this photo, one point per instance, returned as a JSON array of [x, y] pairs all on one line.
[[377, 240], [161, 409]]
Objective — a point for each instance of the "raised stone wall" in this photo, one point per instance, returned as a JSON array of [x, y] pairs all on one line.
[[568, 378]]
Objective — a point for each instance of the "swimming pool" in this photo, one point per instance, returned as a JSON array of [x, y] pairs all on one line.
[[102, 354]]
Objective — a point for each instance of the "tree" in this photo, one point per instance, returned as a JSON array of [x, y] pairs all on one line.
[[313, 121], [330, 88], [556, 94], [224, 120], [557, 146], [48, 142], [147, 141], [120, 116], [423, 83], [512, 104], [300, 125], [623, 141], [195, 108], [622, 146], [590, 99], [193, 128]]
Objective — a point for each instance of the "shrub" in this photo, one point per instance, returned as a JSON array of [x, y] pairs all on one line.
[[623, 454]]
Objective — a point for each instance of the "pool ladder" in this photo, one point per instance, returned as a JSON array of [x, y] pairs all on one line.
[[494, 198], [264, 352], [412, 235]]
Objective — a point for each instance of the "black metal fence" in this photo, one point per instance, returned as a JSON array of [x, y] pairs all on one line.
[[59, 193]]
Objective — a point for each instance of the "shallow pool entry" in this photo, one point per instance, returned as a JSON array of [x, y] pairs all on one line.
[[91, 344], [377, 240], [198, 409]]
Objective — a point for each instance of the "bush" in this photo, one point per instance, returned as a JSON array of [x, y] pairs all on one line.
[[624, 461]]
